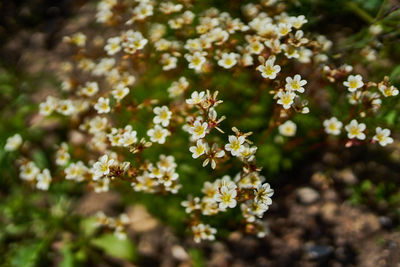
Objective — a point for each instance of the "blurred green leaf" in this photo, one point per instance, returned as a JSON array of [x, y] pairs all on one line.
[[113, 246]]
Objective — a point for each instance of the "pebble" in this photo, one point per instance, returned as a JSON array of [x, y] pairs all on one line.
[[307, 195]]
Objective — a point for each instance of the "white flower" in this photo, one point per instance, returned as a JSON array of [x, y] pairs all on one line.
[[178, 87], [143, 10], [76, 171], [203, 232], [288, 128], [29, 171], [235, 145], [158, 134], [263, 194], [78, 39], [102, 105], [66, 107], [102, 167], [196, 60], [196, 98], [255, 48], [163, 115], [228, 60], [285, 98], [226, 197], [295, 83], [199, 149], [90, 89], [355, 130], [113, 46], [198, 130], [269, 70], [284, 29], [13, 142], [43, 180], [388, 90], [354, 82], [129, 138], [168, 61], [333, 126], [120, 91], [133, 41], [383, 136], [46, 108], [102, 185], [297, 22]]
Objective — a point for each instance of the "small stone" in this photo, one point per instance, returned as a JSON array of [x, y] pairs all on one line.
[[317, 252], [385, 221], [329, 211], [347, 176], [141, 220], [179, 253], [307, 195]]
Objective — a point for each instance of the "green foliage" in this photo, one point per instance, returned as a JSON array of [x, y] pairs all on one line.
[[123, 249]]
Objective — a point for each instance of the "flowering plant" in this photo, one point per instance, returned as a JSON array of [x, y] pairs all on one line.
[[164, 83]]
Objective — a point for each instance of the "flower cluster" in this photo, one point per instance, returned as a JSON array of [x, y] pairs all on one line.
[[31, 173], [117, 225], [111, 102]]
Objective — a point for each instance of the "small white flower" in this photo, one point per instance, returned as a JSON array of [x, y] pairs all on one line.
[[383, 136], [129, 138], [29, 171], [269, 70], [158, 134], [163, 115], [297, 22], [196, 98], [263, 194], [143, 10], [46, 108], [235, 145], [388, 90], [284, 29], [120, 92], [13, 142], [76, 171], [198, 130], [203, 232], [255, 48], [43, 180], [102, 167], [288, 128], [102, 105], [333, 126], [355, 130], [199, 149], [113, 46], [285, 98], [90, 89], [228, 60], [168, 61], [226, 197], [295, 83], [354, 82], [196, 60]]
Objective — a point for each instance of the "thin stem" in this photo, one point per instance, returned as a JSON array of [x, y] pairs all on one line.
[[360, 12]]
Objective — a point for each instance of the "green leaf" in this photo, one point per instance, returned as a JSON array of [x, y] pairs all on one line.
[[27, 255], [123, 249], [391, 117], [68, 256], [88, 226]]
